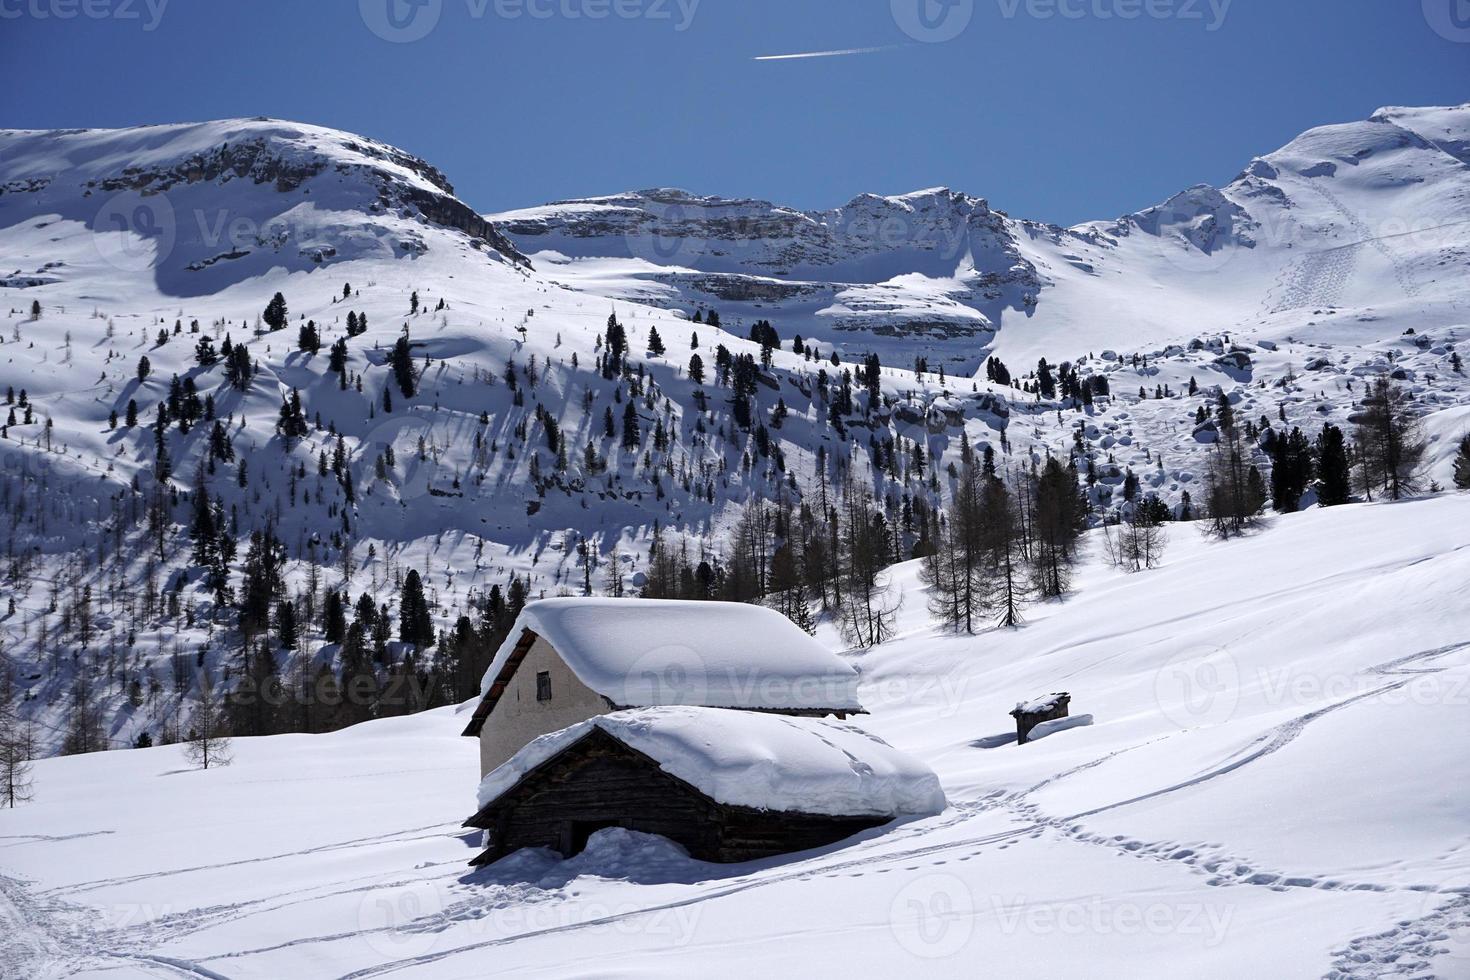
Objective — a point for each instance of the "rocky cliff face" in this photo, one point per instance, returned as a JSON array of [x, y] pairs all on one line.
[[941, 275], [920, 275], [871, 238]]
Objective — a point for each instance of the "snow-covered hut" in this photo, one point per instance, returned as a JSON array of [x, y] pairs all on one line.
[[570, 659], [727, 785]]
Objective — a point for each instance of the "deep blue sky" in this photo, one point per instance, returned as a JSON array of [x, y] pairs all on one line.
[[1056, 118]]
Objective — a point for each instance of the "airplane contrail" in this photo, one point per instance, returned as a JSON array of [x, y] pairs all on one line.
[[822, 54]]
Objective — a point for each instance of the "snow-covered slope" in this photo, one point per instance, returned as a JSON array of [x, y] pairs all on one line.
[[1271, 785], [202, 207], [123, 235], [1372, 215]]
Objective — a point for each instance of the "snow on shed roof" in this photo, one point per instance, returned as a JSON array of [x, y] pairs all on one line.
[[642, 652], [754, 759], [1042, 704]]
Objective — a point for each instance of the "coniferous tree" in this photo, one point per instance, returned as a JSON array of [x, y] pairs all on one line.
[[308, 339], [655, 342], [787, 588], [1224, 411], [1462, 464], [334, 622], [84, 724], [275, 314], [632, 436], [944, 573], [1390, 444], [616, 341], [220, 447], [286, 630], [414, 623], [1060, 516], [337, 357], [238, 368], [1234, 490], [1137, 543], [958, 572], [201, 524], [292, 425], [359, 682], [1291, 470], [16, 746], [747, 555], [263, 585], [403, 372], [867, 613], [16, 783], [1045, 383], [1334, 477], [1004, 543]]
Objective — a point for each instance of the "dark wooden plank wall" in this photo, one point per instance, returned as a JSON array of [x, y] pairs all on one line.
[[599, 780]]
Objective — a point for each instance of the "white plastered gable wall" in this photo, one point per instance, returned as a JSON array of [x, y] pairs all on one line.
[[518, 717]]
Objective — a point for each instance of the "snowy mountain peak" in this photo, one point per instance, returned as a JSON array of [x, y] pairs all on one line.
[[1202, 216], [205, 206], [217, 150], [937, 273]]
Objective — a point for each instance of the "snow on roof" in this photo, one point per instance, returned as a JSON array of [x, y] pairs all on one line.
[[754, 759], [642, 652], [1037, 705]]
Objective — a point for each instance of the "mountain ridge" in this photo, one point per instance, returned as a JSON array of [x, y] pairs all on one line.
[[513, 453], [973, 270]]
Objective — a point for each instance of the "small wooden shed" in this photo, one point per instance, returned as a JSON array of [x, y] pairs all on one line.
[[726, 785], [1029, 714]]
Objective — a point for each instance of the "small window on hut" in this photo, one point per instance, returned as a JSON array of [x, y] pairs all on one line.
[[543, 685]]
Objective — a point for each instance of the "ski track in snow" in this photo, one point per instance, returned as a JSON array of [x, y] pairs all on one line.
[[1366, 237], [1398, 948], [46, 929], [395, 836], [1317, 279]]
